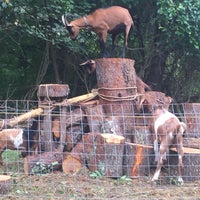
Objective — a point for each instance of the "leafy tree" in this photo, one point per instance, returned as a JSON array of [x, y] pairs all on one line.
[[35, 47]]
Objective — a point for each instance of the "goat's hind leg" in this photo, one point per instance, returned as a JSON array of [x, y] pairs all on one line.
[[180, 163], [163, 149], [158, 168]]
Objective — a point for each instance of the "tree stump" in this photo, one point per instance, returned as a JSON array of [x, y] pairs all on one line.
[[116, 79], [191, 163], [101, 152], [137, 160], [50, 92], [114, 151], [192, 117], [5, 184], [47, 93]]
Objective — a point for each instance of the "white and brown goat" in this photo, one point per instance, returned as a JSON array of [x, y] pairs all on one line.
[[25, 140], [113, 20], [168, 132]]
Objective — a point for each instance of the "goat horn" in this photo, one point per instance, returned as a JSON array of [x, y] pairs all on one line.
[[64, 20], [87, 62]]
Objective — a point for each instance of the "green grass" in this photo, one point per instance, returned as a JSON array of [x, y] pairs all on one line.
[[13, 162]]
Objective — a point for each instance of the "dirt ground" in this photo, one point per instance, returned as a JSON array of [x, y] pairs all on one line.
[[82, 186]]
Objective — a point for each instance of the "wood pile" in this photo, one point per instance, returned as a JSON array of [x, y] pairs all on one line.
[[106, 130]]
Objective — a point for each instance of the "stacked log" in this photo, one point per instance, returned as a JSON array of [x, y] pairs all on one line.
[[191, 162], [191, 113], [139, 155], [101, 152]]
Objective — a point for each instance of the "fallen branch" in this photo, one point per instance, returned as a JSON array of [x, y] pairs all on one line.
[[21, 118]]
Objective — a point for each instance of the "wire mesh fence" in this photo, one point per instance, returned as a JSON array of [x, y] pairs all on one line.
[[92, 151]]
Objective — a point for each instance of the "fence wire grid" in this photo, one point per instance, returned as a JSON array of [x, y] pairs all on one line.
[[73, 161]]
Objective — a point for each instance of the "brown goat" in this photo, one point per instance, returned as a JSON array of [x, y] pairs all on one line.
[[150, 98], [113, 20], [168, 132]]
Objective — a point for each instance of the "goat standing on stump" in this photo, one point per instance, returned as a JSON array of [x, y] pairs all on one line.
[[168, 132], [113, 20]]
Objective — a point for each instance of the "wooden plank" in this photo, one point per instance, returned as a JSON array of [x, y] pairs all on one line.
[[139, 145], [188, 150], [185, 149]]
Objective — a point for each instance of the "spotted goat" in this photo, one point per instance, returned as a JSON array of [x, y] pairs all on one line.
[[168, 132], [25, 140]]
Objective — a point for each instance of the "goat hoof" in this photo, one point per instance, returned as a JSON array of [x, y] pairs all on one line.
[[153, 182]]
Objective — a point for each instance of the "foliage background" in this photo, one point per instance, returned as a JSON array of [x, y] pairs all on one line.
[[35, 47]]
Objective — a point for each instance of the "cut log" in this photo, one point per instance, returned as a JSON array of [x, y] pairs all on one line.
[[73, 136], [43, 163], [191, 162], [95, 117], [5, 184], [48, 92], [114, 151], [137, 160], [111, 125], [103, 153], [47, 127], [192, 117], [192, 143], [74, 160], [116, 79], [62, 127], [72, 118], [142, 135], [71, 164]]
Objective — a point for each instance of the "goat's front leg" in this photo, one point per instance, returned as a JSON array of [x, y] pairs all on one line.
[[102, 42]]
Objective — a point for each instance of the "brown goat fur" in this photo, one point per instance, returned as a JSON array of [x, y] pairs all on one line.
[[25, 140], [7, 137], [152, 98], [168, 131], [142, 87], [113, 20]]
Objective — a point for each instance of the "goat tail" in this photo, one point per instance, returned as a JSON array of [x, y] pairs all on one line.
[[181, 127]]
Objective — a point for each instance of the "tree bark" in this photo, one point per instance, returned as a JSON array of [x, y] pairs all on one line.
[[43, 163], [5, 184], [116, 79]]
